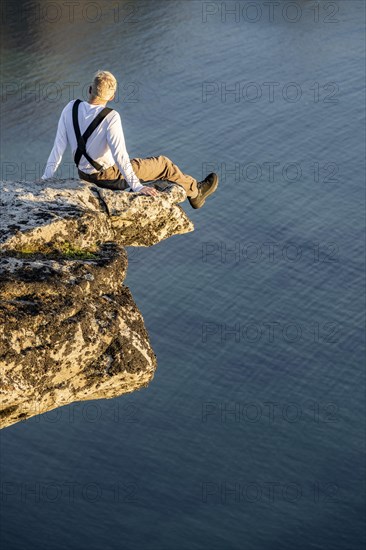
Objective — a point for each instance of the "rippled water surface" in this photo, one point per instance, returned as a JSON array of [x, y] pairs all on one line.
[[251, 435]]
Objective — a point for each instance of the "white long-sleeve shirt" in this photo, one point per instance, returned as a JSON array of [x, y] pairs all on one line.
[[106, 145]]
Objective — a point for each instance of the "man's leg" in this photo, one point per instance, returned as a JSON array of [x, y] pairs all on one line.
[[148, 169], [162, 168], [111, 178]]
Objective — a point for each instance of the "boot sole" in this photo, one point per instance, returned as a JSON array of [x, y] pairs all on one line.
[[209, 192]]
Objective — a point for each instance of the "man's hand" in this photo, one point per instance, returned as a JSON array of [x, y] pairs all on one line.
[[149, 191]]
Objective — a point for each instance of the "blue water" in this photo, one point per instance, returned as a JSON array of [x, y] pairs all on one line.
[[251, 435]]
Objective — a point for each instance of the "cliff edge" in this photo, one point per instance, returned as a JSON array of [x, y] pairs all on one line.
[[69, 329]]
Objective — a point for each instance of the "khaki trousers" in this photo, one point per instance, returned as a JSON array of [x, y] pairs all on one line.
[[149, 169]]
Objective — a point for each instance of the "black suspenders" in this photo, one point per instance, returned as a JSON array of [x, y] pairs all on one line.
[[82, 139]]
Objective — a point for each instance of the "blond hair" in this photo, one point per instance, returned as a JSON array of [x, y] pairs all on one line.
[[104, 85]]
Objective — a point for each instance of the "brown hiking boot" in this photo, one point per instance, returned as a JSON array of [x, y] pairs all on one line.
[[205, 189]]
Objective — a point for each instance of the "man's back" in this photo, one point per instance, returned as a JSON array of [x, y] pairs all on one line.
[[106, 145], [97, 145]]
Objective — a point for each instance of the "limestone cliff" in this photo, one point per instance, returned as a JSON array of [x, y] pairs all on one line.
[[69, 328]]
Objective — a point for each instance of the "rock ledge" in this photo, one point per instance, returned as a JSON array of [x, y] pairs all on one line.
[[70, 330]]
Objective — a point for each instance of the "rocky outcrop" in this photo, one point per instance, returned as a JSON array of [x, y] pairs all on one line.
[[70, 330], [68, 213]]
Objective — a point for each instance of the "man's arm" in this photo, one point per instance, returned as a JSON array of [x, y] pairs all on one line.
[[58, 150], [116, 142]]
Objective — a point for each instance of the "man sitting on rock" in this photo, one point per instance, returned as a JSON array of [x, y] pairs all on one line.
[[96, 138]]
